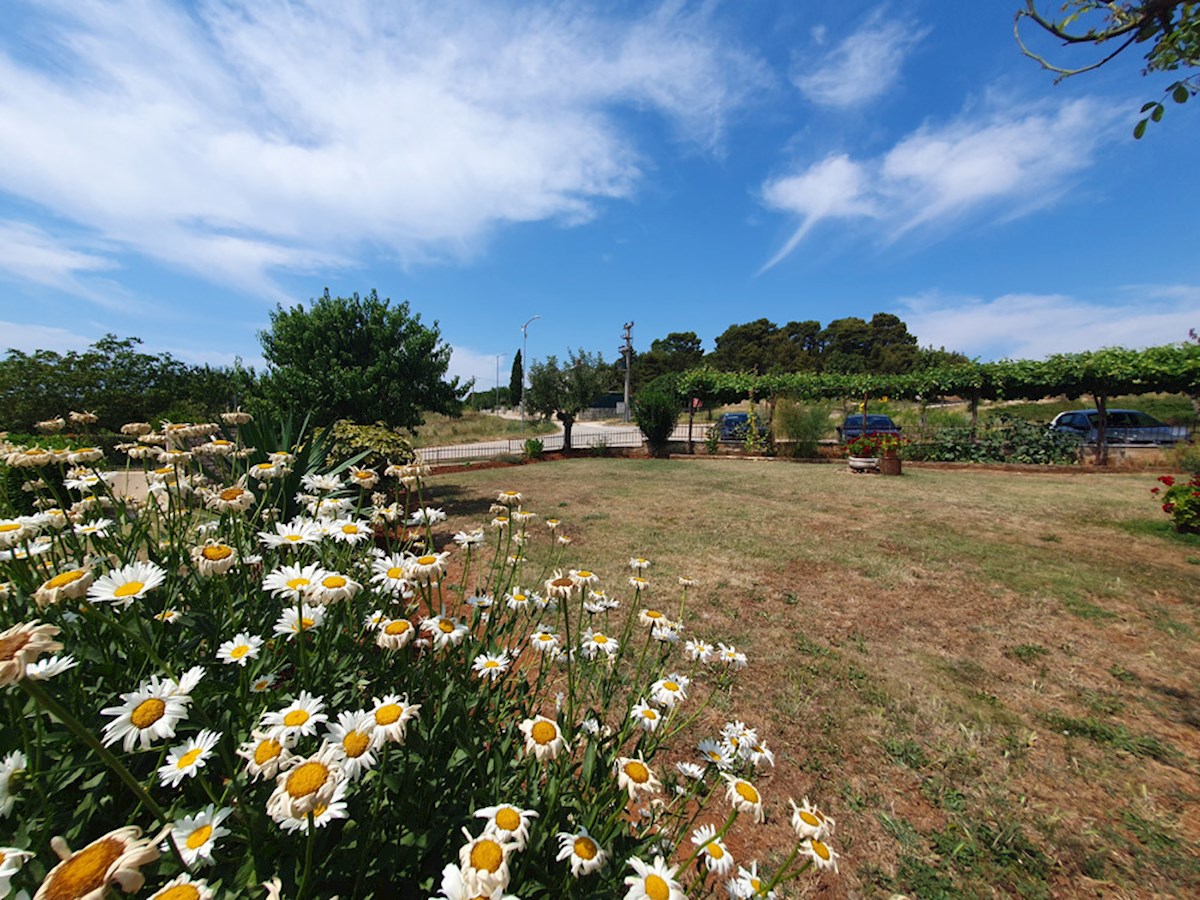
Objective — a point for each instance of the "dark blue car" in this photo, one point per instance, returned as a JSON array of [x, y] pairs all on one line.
[[856, 425], [1122, 426]]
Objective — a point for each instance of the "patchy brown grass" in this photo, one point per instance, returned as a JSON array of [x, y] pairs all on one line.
[[990, 679]]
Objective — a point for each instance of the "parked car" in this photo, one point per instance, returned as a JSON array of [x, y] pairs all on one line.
[[1123, 426], [856, 425], [735, 426]]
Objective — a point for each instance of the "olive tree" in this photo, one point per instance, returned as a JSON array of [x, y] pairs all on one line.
[[563, 391]]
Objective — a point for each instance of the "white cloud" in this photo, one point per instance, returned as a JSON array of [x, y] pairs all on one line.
[[233, 138], [466, 364], [1034, 326], [863, 66], [28, 338], [1006, 162], [28, 253]]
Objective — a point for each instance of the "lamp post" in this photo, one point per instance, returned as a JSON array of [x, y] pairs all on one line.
[[524, 363]]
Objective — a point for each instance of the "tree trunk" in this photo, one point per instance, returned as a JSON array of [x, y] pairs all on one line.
[[1101, 428], [974, 418], [567, 421]]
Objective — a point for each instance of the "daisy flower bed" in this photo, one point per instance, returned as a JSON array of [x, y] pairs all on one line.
[[282, 675]]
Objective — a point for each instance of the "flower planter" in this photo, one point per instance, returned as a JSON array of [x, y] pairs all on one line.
[[860, 464], [889, 465]]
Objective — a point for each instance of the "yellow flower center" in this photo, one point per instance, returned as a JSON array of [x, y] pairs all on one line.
[[129, 588], [350, 529], [297, 583], [267, 750], [215, 552], [395, 572], [446, 626], [295, 718], [747, 792], [334, 581], [239, 651], [179, 892], [388, 713], [307, 778], [670, 685], [265, 466], [600, 638], [307, 623], [820, 849], [809, 819], [653, 614], [355, 743], [584, 848], [656, 888], [84, 872], [543, 732], [486, 855], [189, 758], [715, 850], [520, 598], [199, 837], [491, 664], [508, 819], [63, 579], [10, 526], [584, 573], [398, 627], [164, 470], [649, 714], [637, 772], [293, 538], [147, 712], [426, 560]]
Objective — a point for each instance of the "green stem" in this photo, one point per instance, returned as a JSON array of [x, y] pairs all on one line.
[[308, 855]]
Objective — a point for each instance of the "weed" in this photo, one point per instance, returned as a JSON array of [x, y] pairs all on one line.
[[1087, 610], [1026, 653], [1117, 736], [1101, 702], [906, 751], [1122, 675]]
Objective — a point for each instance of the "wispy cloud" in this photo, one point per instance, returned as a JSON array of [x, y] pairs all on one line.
[[1007, 162], [28, 253], [863, 66], [466, 364], [1033, 326], [28, 338], [231, 139]]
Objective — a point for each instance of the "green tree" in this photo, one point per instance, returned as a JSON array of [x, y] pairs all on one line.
[[564, 391], [677, 352], [358, 358], [746, 348], [516, 381], [656, 411], [1169, 28]]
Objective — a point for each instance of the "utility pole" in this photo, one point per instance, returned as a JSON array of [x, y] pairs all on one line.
[[524, 363], [627, 351], [496, 396]]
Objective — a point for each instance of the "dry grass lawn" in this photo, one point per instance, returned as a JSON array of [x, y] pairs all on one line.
[[990, 679]]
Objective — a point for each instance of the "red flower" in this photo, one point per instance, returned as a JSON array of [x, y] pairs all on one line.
[[1168, 507], [1154, 490], [1167, 480]]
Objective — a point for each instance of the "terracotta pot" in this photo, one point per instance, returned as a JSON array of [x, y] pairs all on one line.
[[889, 465]]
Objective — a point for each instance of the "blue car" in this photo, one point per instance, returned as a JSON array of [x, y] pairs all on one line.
[[1122, 426], [735, 426], [856, 425]]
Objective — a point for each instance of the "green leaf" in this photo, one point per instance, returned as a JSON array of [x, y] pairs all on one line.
[[1180, 94], [1139, 129], [1158, 113], [1146, 107]]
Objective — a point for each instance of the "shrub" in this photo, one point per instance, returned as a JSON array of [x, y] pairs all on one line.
[[803, 425], [533, 448], [382, 446], [656, 413], [1180, 501], [1010, 441]]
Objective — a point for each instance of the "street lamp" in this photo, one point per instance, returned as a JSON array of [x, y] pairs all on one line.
[[524, 363]]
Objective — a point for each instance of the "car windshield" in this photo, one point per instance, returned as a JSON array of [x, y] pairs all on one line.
[[872, 421]]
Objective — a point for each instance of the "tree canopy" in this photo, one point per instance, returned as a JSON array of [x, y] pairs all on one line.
[[358, 358], [563, 391]]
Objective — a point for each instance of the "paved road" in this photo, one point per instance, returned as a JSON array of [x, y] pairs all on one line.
[[583, 434]]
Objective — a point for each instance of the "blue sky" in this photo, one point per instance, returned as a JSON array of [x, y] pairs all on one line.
[[173, 171]]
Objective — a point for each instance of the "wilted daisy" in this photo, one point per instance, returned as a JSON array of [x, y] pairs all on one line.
[[560, 586], [12, 767], [236, 417], [70, 584], [757, 753], [667, 692], [148, 714], [731, 657], [712, 849], [196, 836], [651, 617], [596, 642], [427, 567], [491, 666], [356, 739], [114, 858], [638, 583], [822, 855], [291, 623], [543, 738], [392, 714], [364, 478], [581, 849], [333, 587], [183, 887], [744, 797], [508, 823], [239, 651], [188, 758], [300, 717], [444, 631], [638, 563], [522, 517], [457, 886], [21, 645], [509, 498], [264, 754], [231, 499], [720, 755], [124, 585], [700, 651], [645, 715], [634, 776], [810, 822], [214, 558], [351, 531], [654, 881], [394, 634], [306, 785], [748, 884]]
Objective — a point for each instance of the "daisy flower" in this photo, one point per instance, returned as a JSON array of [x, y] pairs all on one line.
[[188, 758], [426, 515], [700, 651], [11, 861], [560, 586], [196, 836], [655, 881], [595, 642], [114, 858], [638, 563], [810, 822], [543, 738], [712, 849], [445, 631], [98, 528], [744, 797], [456, 886], [214, 558], [239, 651], [667, 692], [169, 616], [584, 577], [645, 715], [363, 477], [11, 768], [291, 624], [21, 645], [484, 861], [45, 669], [509, 498], [336, 808], [651, 617], [300, 717], [581, 849], [333, 587], [758, 753], [690, 770], [748, 884], [14, 531], [306, 785], [491, 665], [638, 583], [822, 855], [293, 582], [299, 533], [392, 714], [634, 776], [351, 531], [470, 539], [517, 600], [264, 754], [389, 575], [71, 584], [508, 823], [148, 714], [321, 483], [716, 753], [731, 657], [394, 634], [126, 584], [356, 739], [428, 567], [183, 887], [544, 639], [262, 683]]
